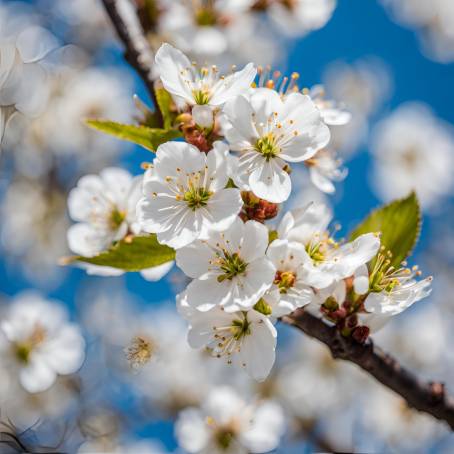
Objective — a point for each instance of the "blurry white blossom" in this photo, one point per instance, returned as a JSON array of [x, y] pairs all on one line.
[[413, 150], [362, 88], [204, 29], [23, 79], [105, 208], [299, 17], [431, 20], [24, 409], [33, 228], [38, 343], [390, 419], [60, 134], [224, 423]]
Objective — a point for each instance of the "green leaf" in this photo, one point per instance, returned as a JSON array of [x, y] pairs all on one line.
[[139, 253], [165, 102], [399, 223], [149, 138]]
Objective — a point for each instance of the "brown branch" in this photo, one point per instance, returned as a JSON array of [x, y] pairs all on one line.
[[429, 397], [137, 50]]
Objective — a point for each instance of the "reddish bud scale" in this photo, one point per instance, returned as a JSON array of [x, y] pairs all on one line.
[[257, 209], [198, 139]]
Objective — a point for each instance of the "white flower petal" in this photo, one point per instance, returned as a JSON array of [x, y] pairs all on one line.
[[175, 70], [270, 182]]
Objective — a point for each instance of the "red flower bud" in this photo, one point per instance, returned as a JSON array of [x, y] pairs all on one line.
[[257, 209]]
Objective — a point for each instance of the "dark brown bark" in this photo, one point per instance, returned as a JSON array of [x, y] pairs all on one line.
[[132, 52], [429, 397]]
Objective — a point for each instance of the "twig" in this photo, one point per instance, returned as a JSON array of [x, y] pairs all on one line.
[[138, 52], [429, 397]]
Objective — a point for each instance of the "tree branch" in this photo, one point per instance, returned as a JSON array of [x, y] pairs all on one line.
[[429, 397], [138, 52]]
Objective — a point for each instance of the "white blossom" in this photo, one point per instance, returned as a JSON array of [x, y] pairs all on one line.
[[289, 259], [413, 150], [228, 268], [184, 194], [298, 17], [432, 21], [324, 169], [330, 261], [39, 343], [23, 79], [105, 207], [246, 339], [333, 113], [390, 292], [268, 132], [27, 203], [225, 423], [200, 86]]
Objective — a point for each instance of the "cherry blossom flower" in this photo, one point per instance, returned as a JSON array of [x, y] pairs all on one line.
[[205, 28], [389, 292], [333, 113], [225, 424], [298, 17], [228, 268], [185, 194], [289, 259], [413, 150], [204, 86], [268, 131], [246, 339], [330, 261], [324, 168], [105, 207], [38, 342]]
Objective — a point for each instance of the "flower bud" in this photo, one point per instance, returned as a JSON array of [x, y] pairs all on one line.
[[257, 209], [198, 139], [203, 116]]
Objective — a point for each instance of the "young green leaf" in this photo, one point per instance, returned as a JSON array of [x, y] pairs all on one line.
[[139, 253], [399, 223], [149, 138], [165, 102]]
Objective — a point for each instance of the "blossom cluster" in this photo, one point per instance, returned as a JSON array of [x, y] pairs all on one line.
[[208, 197]]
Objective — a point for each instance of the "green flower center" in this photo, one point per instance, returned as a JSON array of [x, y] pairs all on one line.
[[315, 252], [240, 328], [284, 280], [232, 265], [201, 97], [23, 349], [196, 197], [267, 146], [116, 218], [384, 276], [224, 438]]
